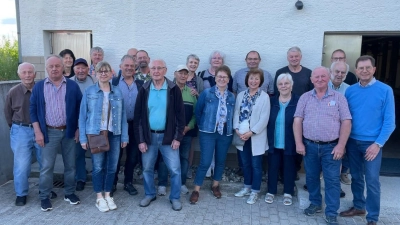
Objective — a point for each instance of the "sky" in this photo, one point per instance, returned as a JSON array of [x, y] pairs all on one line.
[[8, 22]]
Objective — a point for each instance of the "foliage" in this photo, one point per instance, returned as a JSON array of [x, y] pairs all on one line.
[[8, 59]]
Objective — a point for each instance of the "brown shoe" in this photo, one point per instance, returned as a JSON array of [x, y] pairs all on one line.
[[371, 223], [194, 197], [352, 212], [216, 192]]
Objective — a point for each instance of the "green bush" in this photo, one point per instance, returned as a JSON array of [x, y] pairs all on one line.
[[8, 59]]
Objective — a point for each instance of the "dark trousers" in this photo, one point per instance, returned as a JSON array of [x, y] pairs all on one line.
[[274, 163]]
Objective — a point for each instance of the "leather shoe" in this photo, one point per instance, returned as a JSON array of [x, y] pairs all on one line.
[[216, 192], [130, 189], [352, 212], [194, 197], [371, 223], [80, 186], [20, 201]]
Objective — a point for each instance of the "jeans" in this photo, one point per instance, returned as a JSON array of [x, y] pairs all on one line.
[[23, 144], [48, 157], [318, 157], [209, 142], [288, 166], [359, 168], [80, 162], [171, 159], [105, 165], [345, 164], [252, 167], [132, 152]]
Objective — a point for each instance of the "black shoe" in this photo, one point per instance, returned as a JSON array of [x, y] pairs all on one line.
[[130, 189], [114, 189], [46, 205], [53, 195], [305, 187], [72, 199], [239, 172], [342, 193], [80, 186], [20, 201]]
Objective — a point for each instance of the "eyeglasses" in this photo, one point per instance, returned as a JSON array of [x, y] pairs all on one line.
[[368, 68], [338, 58], [218, 58], [158, 68], [103, 71], [222, 78]]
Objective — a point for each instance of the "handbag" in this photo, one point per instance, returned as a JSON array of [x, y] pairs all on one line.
[[244, 127], [99, 142], [236, 141]]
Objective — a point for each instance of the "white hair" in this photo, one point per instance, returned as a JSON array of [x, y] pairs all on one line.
[[23, 64], [284, 76]]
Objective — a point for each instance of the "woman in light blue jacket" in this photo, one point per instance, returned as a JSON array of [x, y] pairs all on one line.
[[93, 118]]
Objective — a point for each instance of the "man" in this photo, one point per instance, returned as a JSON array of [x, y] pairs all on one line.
[[143, 71], [181, 74], [253, 60], [321, 128], [371, 103], [132, 52], [340, 55], [16, 111], [159, 123], [129, 87], [84, 80], [54, 115], [96, 56]]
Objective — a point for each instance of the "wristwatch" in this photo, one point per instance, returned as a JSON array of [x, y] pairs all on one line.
[[379, 145]]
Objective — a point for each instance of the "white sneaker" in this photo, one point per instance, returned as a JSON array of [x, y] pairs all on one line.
[[243, 192], [101, 204], [184, 190], [253, 198], [162, 190], [111, 204]]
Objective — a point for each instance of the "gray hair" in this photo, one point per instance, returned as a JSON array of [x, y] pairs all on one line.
[[284, 76], [103, 64], [294, 49], [160, 60], [338, 62], [96, 49], [127, 57], [219, 53], [194, 56], [321, 67], [23, 64], [54, 56]]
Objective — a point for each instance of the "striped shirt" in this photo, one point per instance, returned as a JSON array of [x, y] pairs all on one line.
[[54, 98]]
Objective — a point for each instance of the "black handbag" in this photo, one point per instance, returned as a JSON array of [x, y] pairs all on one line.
[[99, 142]]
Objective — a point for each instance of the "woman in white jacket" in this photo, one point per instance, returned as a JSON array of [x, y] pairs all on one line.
[[250, 122]]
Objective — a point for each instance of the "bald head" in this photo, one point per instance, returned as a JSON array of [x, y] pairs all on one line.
[[132, 52]]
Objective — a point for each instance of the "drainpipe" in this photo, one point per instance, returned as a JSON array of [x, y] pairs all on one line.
[[18, 31]]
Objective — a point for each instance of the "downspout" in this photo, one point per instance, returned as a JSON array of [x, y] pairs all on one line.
[[18, 31]]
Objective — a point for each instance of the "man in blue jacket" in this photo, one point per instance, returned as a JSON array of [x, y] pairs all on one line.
[[54, 113]]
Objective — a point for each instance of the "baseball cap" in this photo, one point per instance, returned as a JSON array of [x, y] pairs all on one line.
[[80, 60]]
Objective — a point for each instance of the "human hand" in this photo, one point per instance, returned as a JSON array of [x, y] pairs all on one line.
[[143, 147], [371, 152], [175, 144]]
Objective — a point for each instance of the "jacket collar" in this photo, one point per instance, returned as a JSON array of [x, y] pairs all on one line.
[[97, 85], [170, 84]]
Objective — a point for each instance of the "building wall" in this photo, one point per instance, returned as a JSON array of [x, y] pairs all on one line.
[[173, 29]]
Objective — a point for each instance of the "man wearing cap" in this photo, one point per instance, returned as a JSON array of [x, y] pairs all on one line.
[[84, 80], [189, 101]]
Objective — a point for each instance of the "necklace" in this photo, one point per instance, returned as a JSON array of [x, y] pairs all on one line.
[[283, 101]]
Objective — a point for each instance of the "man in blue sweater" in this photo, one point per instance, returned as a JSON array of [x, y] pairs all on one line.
[[371, 104]]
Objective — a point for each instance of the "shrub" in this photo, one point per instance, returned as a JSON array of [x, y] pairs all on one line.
[[8, 59]]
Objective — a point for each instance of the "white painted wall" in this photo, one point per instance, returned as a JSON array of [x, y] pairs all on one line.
[[173, 29]]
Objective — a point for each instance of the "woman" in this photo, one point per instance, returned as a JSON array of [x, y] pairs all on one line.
[[105, 96], [214, 114], [250, 123], [68, 61], [281, 140]]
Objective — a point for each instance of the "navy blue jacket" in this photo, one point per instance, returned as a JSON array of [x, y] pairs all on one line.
[[290, 145]]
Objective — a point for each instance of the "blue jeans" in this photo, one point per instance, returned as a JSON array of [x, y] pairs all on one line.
[[359, 168], [80, 163], [318, 157], [209, 142], [105, 165], [171, 159], [276, 161], [23, 144], [345, 164], [57, 139], [252, 167]]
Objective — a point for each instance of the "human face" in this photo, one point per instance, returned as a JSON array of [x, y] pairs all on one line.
[[192, 64], [81, 71], [142, 59], [96, 57], [294, 58], [284, 87], [252, 60], [54, 68], [254, 81], [27, 74], [221, 79], [181, 77], [157, 70], [216, 60], [132, 52], [365, 71], [68, 60], [338, 56], [104, 74], [320, 78], [338, 74], [128, 68]]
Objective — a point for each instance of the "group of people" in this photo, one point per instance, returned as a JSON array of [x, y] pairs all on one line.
[[321, 115]]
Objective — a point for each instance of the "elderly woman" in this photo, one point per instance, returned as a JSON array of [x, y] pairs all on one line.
[[217, 59], [214, 114], [102, 109], [250, 123], [281, 140], [68, 61]]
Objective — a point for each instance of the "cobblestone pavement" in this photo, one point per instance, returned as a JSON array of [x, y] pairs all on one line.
[[227, 210]]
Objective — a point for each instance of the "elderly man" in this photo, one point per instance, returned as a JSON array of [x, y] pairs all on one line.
[[321, 128], [159, 124], [253, 60], [129, 87], [96, 55], [340, 56], [371, 103], [16, 111], [54, 115], [84, 80], [143, 71]]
